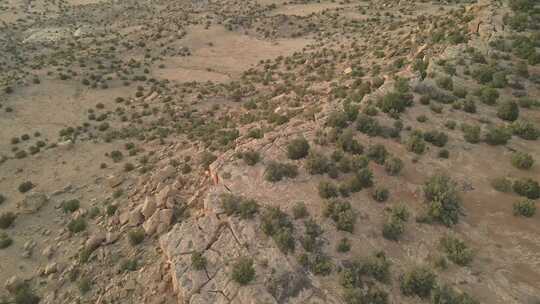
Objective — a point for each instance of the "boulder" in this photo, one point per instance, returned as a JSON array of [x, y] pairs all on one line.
[[149, 207]]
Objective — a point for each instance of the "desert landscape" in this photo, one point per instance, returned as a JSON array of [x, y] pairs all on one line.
[[265, 151]]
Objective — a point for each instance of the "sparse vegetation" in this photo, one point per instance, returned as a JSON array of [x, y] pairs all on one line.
[[243, 272]]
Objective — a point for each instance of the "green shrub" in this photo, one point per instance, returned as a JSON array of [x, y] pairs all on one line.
[[364, 178], [198, 261], [484, 74], [527, 187], [136, 236], [77, 225], [299, 210], [341, 213], [372, 295], [508, 110], [446, 295], [444, 203], [84, 285], [317, 163], [129, 265], [526, 130], [277, 171], [207, 158], [469, 105], [456, 250], [348, 144], [489, 95], [25, 295], [298, 148], [337, 119], [419, 281], [415, 143], [239, 206], [501, 184], [525, 208], [393, 228], [116, 156], [381, 194], [436, 138], [394, 102], [393, 166], [25, 186], [344, 245], [276, 224], [522, 160], [250, 157], [368, 125], [445, 82], [471, 134], [498, 136], [5, 240], [443, 153], [243, 271], [7, 219], [327, 189], [377, 153], [70, 206]]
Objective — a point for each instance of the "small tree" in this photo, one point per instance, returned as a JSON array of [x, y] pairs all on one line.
[[444, 203]]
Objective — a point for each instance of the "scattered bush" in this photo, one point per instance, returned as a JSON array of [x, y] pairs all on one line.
[[377, 153], [525, 208], [446, 295], [344, 245], [250, 157], [129, 265], [198, 261], [276, 224], [298, 148], [444, 203], [368, 125], [419, 281], [522, 160], [299, 210], [70, 206], [498, 136], [207, 158], [527, 187], [436, 138], [136, 236], [415, 143], [239, 206], [393, 166], [25, 295], [456, 250], [316, 163], [471, 134], [77, 225], [501, 184], [5, 240], [25, 186], [508, 110], [277, 171], [341, 213], [327, 189], [381, 194], [243, 271], [7, 219], [84, 285], [488, 96], [348, 144], [525, 130]]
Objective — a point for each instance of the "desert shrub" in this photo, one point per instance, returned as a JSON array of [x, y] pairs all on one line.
[[7, 219], [456, 250], [444, 203], [415, 143], [484, 74], [198, 261], [298, 148], [445, 82], [250, 157], [277, 171], [527, 187], [377, 153], [70, 206], [243, 271], [501, 184], [341, 213], [347, 143], [317, 163], [276, 224], [522, 160], [436, 138], [380, 194], [443, 153], [525, 208], [25, 186], [364, 177], [419, 281], [508, 110], [2, 198], [129, 265], [393, 166], [327, 189], [469, 105], [344, 245], [525, 129], [84, 285], [206, 159], [299, 210], [488, 95], [256, 133], [77, 225], [5, 240], [368, 125], [239, 206], [375, 266], [460, 91], [136, 236], [498, 135], [393, 228], [25, 295], [471, 133], [446, 295], [394, 102], [422, 118], [116, 156], [337, 119], [526, 102]]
